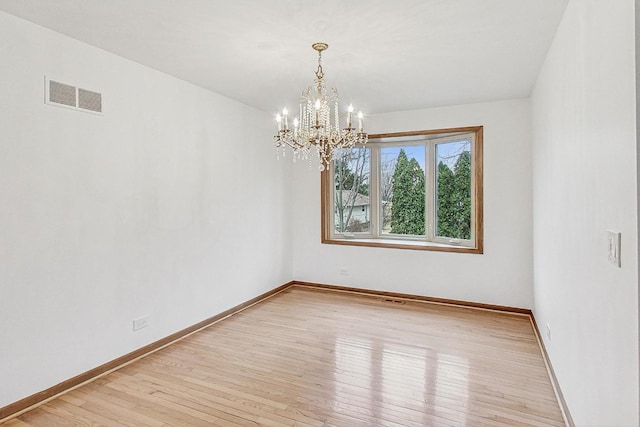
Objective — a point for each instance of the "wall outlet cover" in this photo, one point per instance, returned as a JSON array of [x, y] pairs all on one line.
[[141, 322]]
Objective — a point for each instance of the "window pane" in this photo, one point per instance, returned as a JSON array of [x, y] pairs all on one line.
[[352, 208], [402, 190], [453, 193]]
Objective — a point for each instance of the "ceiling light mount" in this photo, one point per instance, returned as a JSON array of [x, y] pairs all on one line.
[[320, 46], [317, 129]]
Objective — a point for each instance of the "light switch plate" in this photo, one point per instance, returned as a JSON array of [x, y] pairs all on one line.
[[613, 240]]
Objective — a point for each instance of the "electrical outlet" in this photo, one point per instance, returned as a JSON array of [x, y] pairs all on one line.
[[344, 271], [613, 241], [141, 322], [549, 331]]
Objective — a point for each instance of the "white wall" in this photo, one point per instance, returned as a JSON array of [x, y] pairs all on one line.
[[584, 168], [502, 275], [139, 211]]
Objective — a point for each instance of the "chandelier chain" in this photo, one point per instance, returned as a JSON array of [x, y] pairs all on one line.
[[319, 72]]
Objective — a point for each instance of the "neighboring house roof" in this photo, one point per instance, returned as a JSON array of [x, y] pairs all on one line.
[[348, 198]]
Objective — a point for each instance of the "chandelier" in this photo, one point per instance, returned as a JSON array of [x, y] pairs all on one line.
[[316, 131]]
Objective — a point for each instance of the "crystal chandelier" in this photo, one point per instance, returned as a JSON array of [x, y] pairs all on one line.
[[317, 130]]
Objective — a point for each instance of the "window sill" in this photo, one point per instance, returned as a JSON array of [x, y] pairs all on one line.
[[403, 244]]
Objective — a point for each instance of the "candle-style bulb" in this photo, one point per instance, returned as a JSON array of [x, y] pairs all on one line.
[[279, 120], [295, 122], [349, 113], [317, 104], [360, 115], [284, 112]]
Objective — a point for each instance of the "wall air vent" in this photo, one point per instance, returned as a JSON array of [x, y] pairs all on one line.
[[60, 93], [88, 100], [64, 95]]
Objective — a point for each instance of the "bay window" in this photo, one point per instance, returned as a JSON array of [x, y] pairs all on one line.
[[412, 190]]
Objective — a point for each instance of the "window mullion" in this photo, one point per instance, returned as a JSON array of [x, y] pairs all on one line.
[[374, 197], [430, 191], [473, 187]]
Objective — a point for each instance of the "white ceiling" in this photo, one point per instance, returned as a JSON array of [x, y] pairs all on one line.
[[384, 55]]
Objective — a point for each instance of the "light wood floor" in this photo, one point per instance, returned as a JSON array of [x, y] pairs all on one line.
[[326, 358]]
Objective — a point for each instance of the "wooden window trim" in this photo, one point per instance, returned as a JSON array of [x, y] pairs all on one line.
[[326, 210]]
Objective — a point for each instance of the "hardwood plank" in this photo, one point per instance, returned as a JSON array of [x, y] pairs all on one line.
[[16, 423], [309, 357]]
